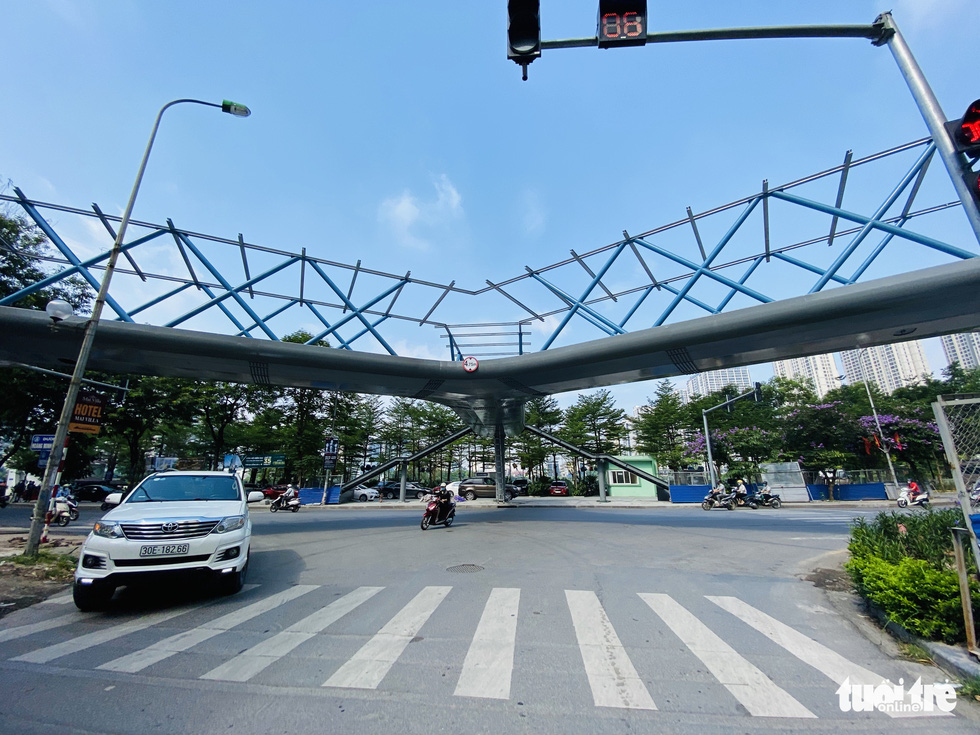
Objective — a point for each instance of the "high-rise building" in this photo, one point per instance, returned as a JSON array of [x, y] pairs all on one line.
[[963, 348], [888, 366], [821, 369], [702, 384]]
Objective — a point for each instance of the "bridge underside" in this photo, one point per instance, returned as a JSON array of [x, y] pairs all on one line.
[[939, 300]]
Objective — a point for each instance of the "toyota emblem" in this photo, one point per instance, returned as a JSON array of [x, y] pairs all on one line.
[[170, 527]]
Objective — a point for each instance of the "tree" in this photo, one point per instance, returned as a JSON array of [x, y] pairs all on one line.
[[820, 437], [661, 425], [594, 423], [532, 452]]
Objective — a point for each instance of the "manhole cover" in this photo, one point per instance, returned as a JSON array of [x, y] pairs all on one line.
[[465, 569]]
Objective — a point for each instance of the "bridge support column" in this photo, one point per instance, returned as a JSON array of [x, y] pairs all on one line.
[[403, 478], [600, 467], [499, 445]]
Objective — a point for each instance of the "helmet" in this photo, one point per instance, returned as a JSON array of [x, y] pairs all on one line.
[[444, 485]]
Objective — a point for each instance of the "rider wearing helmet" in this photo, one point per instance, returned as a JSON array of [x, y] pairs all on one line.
[[445, 497]]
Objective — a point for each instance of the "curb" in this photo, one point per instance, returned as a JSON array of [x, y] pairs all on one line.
[[952, 659]]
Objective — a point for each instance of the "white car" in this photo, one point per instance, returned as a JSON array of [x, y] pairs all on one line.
[[194, 522], [363, 494]]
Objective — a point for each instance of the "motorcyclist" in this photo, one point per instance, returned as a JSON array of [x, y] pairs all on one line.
[[291, 492], [914, 490], [445, 497]]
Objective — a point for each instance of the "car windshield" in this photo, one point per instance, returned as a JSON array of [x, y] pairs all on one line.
[[166, 488]]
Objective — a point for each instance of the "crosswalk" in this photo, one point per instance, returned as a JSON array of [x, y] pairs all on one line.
[[617, 673]]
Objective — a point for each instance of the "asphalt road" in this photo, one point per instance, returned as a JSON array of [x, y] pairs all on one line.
[[515, 620]]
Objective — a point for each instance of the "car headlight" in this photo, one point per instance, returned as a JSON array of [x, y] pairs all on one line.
[[231, 523], [107, 529]]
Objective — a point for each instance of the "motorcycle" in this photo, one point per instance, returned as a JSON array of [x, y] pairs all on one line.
[[722, 499], [431, 515], [906, 498], [767, 499], [65, 511], [283, 503], [743, 498]]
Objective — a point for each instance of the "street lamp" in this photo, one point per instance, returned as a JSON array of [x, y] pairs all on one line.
[[53, 466], [874, 412]]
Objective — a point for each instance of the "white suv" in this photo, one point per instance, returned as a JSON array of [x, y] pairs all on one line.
[[171, 522]]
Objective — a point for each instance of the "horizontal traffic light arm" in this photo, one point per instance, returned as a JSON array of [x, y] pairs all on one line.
[[875, 32]]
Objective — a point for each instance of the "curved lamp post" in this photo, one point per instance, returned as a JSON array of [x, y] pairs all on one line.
[[61, 433], [884, 446]]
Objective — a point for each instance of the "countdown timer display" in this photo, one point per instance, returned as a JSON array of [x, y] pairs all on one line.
[[622, 23]]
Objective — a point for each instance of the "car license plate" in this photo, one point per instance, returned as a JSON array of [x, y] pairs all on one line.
[[164, 549]]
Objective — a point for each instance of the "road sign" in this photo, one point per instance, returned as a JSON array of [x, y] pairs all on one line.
[[330, 449], [41, 442]]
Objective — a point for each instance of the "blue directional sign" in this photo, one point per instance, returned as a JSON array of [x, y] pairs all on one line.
[[41, 442]]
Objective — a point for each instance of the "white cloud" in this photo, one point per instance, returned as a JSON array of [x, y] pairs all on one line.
[[927, 14], [534, 216], [414, 221]]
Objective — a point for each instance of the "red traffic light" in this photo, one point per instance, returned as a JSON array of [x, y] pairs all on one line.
[[622, 23], [965, 132]]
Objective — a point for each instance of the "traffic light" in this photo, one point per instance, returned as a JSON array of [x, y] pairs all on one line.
[[972, 179], [622, 23], [965, 132], [523, 32]]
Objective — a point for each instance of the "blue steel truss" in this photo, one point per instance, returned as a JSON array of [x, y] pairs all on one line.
[[273, 283]]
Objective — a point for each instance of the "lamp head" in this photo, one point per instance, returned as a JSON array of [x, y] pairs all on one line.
[[58, 310], [233, 108]]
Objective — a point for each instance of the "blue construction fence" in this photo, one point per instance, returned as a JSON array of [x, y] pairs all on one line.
[[314, 495], [863, 491]]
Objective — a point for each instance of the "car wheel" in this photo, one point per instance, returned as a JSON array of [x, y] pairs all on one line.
[[92, 597], [390, 495], [470, 495], [507, 496], [361, 498], [233, 582], [420, 494]]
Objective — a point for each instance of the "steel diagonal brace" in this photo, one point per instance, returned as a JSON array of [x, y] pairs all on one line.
[[600, 321], [183, 253], [808, 266], [112, 233], [751, 269], [878, 225], [224, 309], [588, 270], [705, 268], [267, 317], [348, 305], [329, 329], [383, 295], [579, 303], [232, 293], [353, 280], [871, 223], [366, 330], [160, 298], [79, 267], [501, 291], [443, 295]]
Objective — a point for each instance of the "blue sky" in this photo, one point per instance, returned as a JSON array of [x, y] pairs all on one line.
[[400, 134]]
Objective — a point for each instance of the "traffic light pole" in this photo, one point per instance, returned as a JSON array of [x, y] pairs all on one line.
[[756, 393], [932, 113]]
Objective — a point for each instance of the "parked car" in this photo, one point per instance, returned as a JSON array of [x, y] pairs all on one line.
[[274, 491], [482, 487], [363, 494], [391, 489], [558, 487], [195, 523], [520, 486]]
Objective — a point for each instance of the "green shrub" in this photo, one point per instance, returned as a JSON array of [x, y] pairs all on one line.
[[904, 564], [923, 600]]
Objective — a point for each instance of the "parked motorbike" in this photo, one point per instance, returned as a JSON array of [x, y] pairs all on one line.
[[906, 498], [431, 515], [719, 499], [283, 503], [766, 499]]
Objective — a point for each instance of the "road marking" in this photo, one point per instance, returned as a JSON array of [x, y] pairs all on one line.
[[139, 660], [489, 662], [748, 684], [368, 666], [257, 658], [613, 678], [62, 599], [98, 637], [24, 630], [828, 662]]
